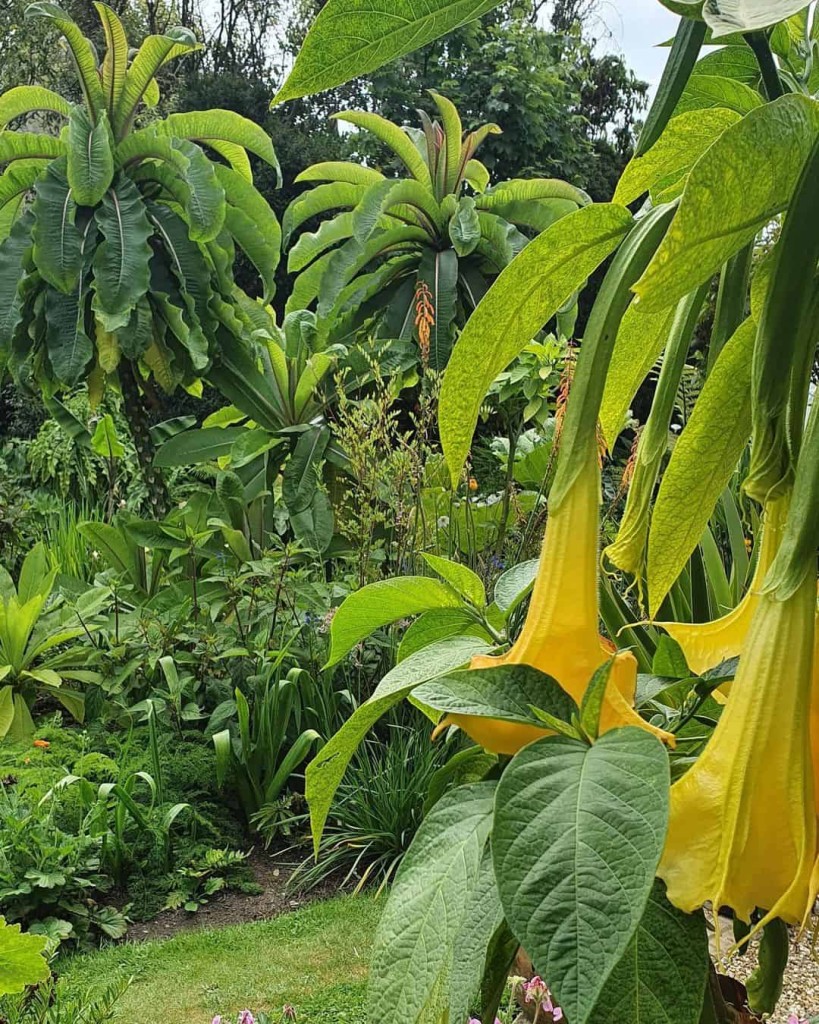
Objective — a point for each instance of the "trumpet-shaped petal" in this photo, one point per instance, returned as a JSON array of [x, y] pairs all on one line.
[[742, 829], [706, 644], [560, 636]]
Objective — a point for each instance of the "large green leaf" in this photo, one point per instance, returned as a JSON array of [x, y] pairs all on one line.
[[114, 548], [459, 577], [340, 170], [730, 194], [577, 838], [727, 16], [82, 51], [440, 272], [253, 225], [703, 460], [352, 37], [379, 604], [18, 180], [326, 770], [313, 243], [29, 146], [69, 347], [214, 126], [13, 251], [685, 139], [90, 160], [427, 907], [334, 196], [115, 62], [58, 243], [122, 273], [523, 298], [736, 62], [390, 193], [705, 91], [153, 53], [301, 476], [22, 962], [25, 99], [662, 975]]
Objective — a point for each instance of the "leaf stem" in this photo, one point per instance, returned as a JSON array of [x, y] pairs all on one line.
[[758, 41]]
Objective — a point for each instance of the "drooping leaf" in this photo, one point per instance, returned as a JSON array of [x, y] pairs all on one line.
[[389, 194], [577, 838], [69, 347], [81, 50], [662, 975], [340, 170], [154, 52], [459, 577], [439, 624], [105, 441], [427, 905], [379, 604], [520, 302], [26, 99], [122, 272], [58, 242], [253, 225], [513, 585], [730, 194], [29, 146], [464, 227], [115, 62], [314, 525], [301, 477], [703, 460], [440, 272], [326, 770], [13, 251], [351, 38], [333, 196], [313, 243]]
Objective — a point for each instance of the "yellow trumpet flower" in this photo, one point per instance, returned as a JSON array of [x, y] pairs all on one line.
[[743, 828], [706, 644], [560, 636]]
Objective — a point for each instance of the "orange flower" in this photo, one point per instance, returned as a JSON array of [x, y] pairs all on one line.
[[473, 484], [42, 744]]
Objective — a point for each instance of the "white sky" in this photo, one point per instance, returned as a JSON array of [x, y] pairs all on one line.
[[634, 28]]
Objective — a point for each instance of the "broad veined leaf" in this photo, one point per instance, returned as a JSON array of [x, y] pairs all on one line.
[[114, 548], [727, 16], [529, 190], [22, 959], [81, 50], [476, 175], [464, 227], [427, 905], [326, 770], [215, 126], [154, 52], [640, 340], [577, 838], [26, 99], [187, 264], [105, 441], [13, 252], [440, 272], [735, 61], [514, 585], [537, 214], [340, 170], [115, 62], [730, 194], [662, 975], [18, 179], [313, 243], [459, 577], [184, 326], [58, 243], [135, 337], [439, 624], [389, 194], [29, 146], [301, 476], [391, 135], [122, 272], [685, 139], [352, 37], [500, 242], [196, 446], [379, 604], [204, 197], [507, 692], [705, 91], [69, 347], [520, 302], [253, 225], [334, 196], [703, 460], [307, 285]]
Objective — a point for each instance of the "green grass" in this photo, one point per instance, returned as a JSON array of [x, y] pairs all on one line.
[[315, 958]]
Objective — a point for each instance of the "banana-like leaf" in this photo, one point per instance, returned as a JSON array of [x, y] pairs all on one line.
[[136, 336], [477, 176], [115, 62], [90, 159], [57, 240], [29, 146], [81, 49], [204, 196], [354, 256], [25, 99], [366, 297], [313, 243], [307, 285], [334, 196], [500, 241], [253, 225], [186, 329], [453, 132], [18, 179], [464, 227], [209, 126], [69, 347], [340, 170], [530, 189], [394, 137], [386, 195], [235, 155], [440, 272], [238, 378], [537, 214], [154, 52], [122, 261], [13, 252]]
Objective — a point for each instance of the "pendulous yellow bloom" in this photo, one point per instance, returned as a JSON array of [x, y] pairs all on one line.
[[706, 644], [743, 828], [560, 636]]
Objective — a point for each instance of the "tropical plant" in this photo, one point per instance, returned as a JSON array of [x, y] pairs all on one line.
[[416, 253], [597, 845], [37, 655], [205, 876], [118, 240], [58, 1002]]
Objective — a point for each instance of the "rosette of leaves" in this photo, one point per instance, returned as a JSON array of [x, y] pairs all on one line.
[[117, 241], [416, 253]]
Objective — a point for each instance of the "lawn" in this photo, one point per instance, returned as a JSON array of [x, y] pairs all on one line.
[[316, 959]]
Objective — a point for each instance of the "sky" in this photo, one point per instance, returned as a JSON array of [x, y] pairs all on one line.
[[634, 28]]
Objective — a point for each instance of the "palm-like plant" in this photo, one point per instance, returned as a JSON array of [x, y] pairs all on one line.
[[118, 241], [415, 253]]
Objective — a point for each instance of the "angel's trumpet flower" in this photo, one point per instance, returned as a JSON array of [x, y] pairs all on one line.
[[706, 644], [743, 830], [560, 636]]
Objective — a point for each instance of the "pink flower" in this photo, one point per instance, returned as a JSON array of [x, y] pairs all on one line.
[[794, 1019], [537, 991], [246, 1017], [216, 1020]]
